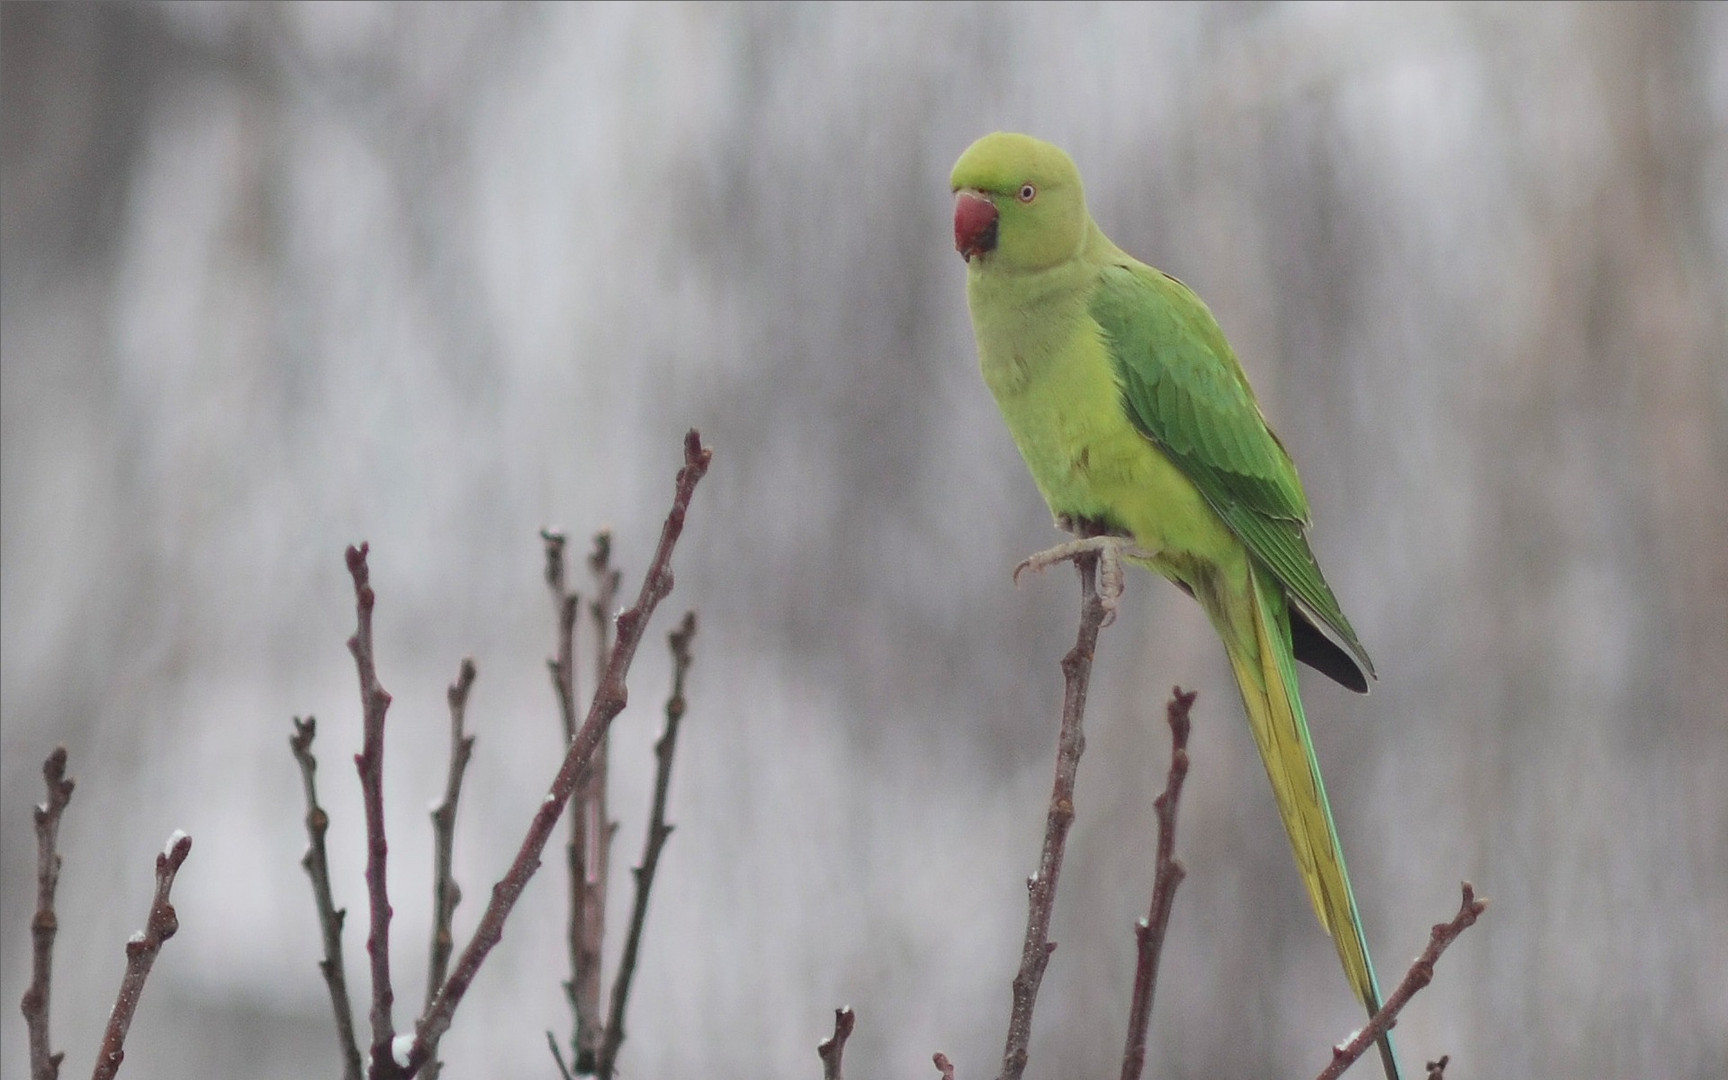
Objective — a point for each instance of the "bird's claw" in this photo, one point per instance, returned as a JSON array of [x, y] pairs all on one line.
[[1111, 550]]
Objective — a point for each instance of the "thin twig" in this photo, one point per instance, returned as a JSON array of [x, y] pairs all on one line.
[[1437, 1069], [943, 1065], [558, 1056], [375, 702], [330, 917], [1149, 933], [833, 1048], [1421, 973], [1041, 887], [591, 837], [566, 605], [608, 702], [446, 894], [141, 954], [658, 831], [44, 1062]]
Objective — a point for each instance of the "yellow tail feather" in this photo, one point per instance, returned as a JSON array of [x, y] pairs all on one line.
[[1267, 678]]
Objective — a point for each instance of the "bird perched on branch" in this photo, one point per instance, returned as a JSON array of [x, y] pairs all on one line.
[[1145, 439]]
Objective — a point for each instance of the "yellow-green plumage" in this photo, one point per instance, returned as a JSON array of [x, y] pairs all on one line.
[[1133, 414]]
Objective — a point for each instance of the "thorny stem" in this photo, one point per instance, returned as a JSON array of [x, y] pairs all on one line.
[[330, 918], [44, 1062], [141, 954], [1421, 973], [446, 894], [1041, 887], [658, 831], [608, 702], [1149, 934]]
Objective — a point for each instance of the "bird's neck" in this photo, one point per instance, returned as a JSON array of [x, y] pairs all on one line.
[[1023, 318]]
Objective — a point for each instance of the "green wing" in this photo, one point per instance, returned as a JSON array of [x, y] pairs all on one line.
[[1183, 389]]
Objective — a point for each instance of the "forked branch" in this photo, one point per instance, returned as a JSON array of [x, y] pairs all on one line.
[[609, 700], [1421, 973]]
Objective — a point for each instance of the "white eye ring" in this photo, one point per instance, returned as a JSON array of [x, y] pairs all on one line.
[[1028, 192]]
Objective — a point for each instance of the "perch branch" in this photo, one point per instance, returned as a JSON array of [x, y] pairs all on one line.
[[833, 1048], [141, 954], [608, 702], [44, 1062], [1149, 934], [330, 917], [1041, 887], [375, 702], [1421, 973], [446, 894], [613, 1036]]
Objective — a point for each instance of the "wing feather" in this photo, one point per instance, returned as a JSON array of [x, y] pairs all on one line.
[[1183, 388]]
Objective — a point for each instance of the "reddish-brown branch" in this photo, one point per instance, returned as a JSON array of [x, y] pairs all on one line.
[[658, 831], [943, 1065], [1149, 934], [141, 954], [446, 894], [832, 1049], [1421, 973], [375, 702], [1041, 887], [44, 1062], [330, 917], [608, 702]]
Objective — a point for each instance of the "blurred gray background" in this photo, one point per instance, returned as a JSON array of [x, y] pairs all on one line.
[[282, 278]]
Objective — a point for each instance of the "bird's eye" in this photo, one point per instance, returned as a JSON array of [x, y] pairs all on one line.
[[1028, 193]]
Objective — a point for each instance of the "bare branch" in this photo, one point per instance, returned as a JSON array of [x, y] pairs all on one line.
[[1421, 973], [1041, 887], [943, 1065], [608, 702], [591, 831], [1149, 934], [566, 605], [44, 1062], [658, 831], [330, 917], [375, 702], [833, 1048], [446, 894], [558, 1056], [141, 954]]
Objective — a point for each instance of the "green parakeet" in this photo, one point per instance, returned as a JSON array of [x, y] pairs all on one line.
[[1136, 422]]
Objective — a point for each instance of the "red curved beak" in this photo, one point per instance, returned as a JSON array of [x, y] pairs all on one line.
[[974, 224]]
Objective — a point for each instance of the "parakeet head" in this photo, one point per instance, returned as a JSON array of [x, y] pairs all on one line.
[[1018, 204]]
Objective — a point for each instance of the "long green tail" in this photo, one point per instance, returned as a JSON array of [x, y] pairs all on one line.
[[1267, 679]]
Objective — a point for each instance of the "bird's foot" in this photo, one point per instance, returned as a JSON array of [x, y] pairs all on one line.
[[1111, 550]]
